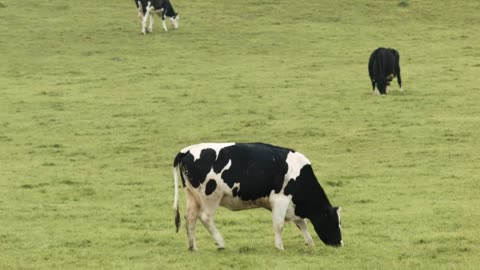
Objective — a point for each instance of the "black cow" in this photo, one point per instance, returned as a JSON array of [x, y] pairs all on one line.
[[250, 175], [163, 8], [383, 66]]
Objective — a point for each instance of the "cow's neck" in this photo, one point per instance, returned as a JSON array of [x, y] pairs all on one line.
[[309, 197]]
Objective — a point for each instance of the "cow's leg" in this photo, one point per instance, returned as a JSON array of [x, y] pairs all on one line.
[[206, 216], [399, 79], [279, 205], [302, 225], [150, 26], [144, 21], [373, 87], [140, 10], [146, 16], [163, 20], [141, 15], [191, 215]]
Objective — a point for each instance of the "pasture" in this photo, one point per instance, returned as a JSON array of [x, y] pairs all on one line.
[[92, 114]]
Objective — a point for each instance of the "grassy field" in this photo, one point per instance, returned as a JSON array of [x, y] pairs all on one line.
[[92, 114]]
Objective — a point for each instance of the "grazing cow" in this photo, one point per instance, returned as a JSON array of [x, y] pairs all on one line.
[[383, 66], [163, 8], [250, 175]]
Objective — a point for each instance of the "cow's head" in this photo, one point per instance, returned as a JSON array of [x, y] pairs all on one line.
[[327, 226], [382, 86]]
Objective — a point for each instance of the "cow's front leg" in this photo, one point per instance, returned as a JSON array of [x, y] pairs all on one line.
[[206, 216], [302, 225], [163, 20], [279, 205]]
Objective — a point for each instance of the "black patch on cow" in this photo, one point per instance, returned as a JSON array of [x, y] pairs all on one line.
[[223, 159], [211, 186], [290, 187], [197, 170], [259, 168], [307, 194], [235, 191]]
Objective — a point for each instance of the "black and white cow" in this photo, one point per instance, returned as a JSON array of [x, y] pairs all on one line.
[[147, 8], [242, 176], [383, 66]]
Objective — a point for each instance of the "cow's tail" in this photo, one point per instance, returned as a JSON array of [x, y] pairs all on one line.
[[176, 171], [176, 174]]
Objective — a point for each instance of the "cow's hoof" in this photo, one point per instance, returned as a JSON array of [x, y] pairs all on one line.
[[192, 249], [221, 248]]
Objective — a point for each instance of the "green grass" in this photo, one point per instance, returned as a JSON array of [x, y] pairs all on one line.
[[92, 115]]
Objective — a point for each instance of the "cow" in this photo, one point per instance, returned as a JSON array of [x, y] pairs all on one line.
[[163, 8], [242, 176], [383, 66]]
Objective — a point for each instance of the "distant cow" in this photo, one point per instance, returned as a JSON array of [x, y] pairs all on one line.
[[242, 176], [163, 8], [383, 66]]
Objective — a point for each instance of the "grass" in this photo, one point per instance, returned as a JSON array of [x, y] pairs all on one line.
[[92, 114]]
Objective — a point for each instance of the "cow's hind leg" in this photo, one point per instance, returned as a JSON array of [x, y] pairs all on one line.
[[150, 25], [207, 217], [144, 22], [279, 205], [302, 225], [191, 215]]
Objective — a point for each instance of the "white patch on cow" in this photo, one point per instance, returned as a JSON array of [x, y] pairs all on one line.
[[296, 161], [196, 149]]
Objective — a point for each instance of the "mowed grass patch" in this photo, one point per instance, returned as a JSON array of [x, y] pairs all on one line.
[[92, 114]]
